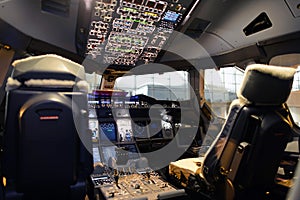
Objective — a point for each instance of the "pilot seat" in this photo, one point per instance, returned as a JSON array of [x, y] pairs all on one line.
[[46, 143], [243, 160]]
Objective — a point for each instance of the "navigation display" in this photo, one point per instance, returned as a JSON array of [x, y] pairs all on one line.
[[108, 132], [124, 130], [140, 130]]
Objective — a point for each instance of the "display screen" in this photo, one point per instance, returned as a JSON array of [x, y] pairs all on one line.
[[131, 149], [121, 154], [109, 153], [140, 130], [96, 155], [92, 112], [108, 132], [171, 16], [105, 102], [155, 129], [93, 104], [93, 126], [124, 130]]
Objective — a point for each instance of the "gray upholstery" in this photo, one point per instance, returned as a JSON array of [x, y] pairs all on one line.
[[44, 156], [246, 153], [265, 84]]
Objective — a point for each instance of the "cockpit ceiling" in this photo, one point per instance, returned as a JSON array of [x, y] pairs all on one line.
[[229, 18], [132, 32]]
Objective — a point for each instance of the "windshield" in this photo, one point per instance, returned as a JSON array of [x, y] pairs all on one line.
[[167, 86]]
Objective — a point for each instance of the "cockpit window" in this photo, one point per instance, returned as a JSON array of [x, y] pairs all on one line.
[[296, 83], [294, 98], [220, 88], [93, 80], [166, 86]]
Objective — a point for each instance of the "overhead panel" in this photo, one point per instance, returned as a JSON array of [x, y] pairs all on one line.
[[129, 31]]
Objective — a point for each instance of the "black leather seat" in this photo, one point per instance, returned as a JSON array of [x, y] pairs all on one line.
[[243, 160], [46, 150]]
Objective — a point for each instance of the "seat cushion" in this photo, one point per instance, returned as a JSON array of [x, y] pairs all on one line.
[[182, 169]]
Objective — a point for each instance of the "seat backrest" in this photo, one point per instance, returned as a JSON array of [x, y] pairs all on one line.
[[248, 149], [46, 141]]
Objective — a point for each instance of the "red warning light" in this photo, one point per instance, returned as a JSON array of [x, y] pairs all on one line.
[[49, 118]]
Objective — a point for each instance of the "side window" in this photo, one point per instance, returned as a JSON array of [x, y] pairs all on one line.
[[220, 88], [294, 98]]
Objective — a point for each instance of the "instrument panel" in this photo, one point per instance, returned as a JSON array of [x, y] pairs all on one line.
[[129, 31]]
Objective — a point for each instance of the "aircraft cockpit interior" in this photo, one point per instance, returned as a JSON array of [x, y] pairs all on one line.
[[149, 99]]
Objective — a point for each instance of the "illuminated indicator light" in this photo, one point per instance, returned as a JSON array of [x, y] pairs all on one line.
[[178, 7], [151, 14], [120, 38], [4, 181], [130, 9], [49, 118], [6, 47]]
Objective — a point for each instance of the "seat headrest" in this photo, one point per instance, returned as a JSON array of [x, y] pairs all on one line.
[[39, 66], [266, 84]]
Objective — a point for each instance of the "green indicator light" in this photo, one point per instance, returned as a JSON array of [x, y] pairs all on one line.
[[124, 50], [129, 9]]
